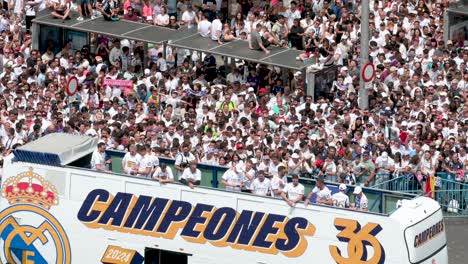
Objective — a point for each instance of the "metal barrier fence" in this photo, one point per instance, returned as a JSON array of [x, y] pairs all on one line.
[[380, 201], [450, 193], [454, 202]]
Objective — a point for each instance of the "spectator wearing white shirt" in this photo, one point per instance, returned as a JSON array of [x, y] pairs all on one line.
[[216, 29], [191, 176], [145, 168], [294, 164], [292, 13], [293, 192], [183, 159], [329, 169], [385, 166], [261, 185], [189, 16], [340, 199], [278, 182], [163, 174], [162, 19], [204, 27]]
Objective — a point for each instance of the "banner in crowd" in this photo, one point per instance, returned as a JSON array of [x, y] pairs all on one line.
[[127, 85], [196, 93]]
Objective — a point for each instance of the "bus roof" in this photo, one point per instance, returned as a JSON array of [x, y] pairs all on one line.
[[57, 149], [184, 38]]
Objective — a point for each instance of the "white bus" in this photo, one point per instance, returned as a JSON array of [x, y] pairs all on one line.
[[53, 211]]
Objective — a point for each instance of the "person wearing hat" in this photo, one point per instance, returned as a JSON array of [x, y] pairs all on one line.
[[360, 200], [294, 164], [341, 199], [234, 178], [293, 192], [384, 166]]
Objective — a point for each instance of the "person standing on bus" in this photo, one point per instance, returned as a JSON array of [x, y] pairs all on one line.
[[293, 192], [261, 185], [131, 161], [234, 178], [278, 182], [340, 199], [146, 165], [98, 159], [163, 174], [86, 4], [322, 192], [360, 203], [191, 176], [183, 159], [31, 7]]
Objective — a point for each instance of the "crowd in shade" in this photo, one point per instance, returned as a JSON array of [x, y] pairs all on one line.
[[249, 118]]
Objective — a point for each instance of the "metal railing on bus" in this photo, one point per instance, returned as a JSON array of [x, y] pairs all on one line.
[[380, 201]]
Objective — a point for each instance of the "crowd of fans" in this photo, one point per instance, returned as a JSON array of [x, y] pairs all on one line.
[[248, 117]]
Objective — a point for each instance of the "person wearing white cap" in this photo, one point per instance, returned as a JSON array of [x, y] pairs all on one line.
[[234, 178], [360, 200], [341, 199], [384, 166], [294, 164], [293, 192]]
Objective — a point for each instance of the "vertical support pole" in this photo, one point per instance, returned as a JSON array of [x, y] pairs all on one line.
[[35, 30], [310, 89], [165, 50], [145, 55], [446, 26], [363, 94], [285, 77]]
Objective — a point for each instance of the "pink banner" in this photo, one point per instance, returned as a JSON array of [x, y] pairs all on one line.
[[126, 84]]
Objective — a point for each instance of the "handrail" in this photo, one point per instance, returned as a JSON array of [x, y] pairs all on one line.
[[380, 198]]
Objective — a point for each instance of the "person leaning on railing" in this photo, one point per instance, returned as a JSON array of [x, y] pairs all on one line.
[[454, 166], [191, 176]]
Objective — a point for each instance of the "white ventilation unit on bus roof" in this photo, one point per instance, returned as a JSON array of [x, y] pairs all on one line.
[[57, 149]]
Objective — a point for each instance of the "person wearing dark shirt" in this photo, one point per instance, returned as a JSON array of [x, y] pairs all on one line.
[[277, 88], [107, 10], [209, 67], [209, 8], [295, 35], [259, 42], [131, 16]]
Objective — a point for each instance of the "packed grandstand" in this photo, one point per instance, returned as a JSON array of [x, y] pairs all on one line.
[[248, 116]]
